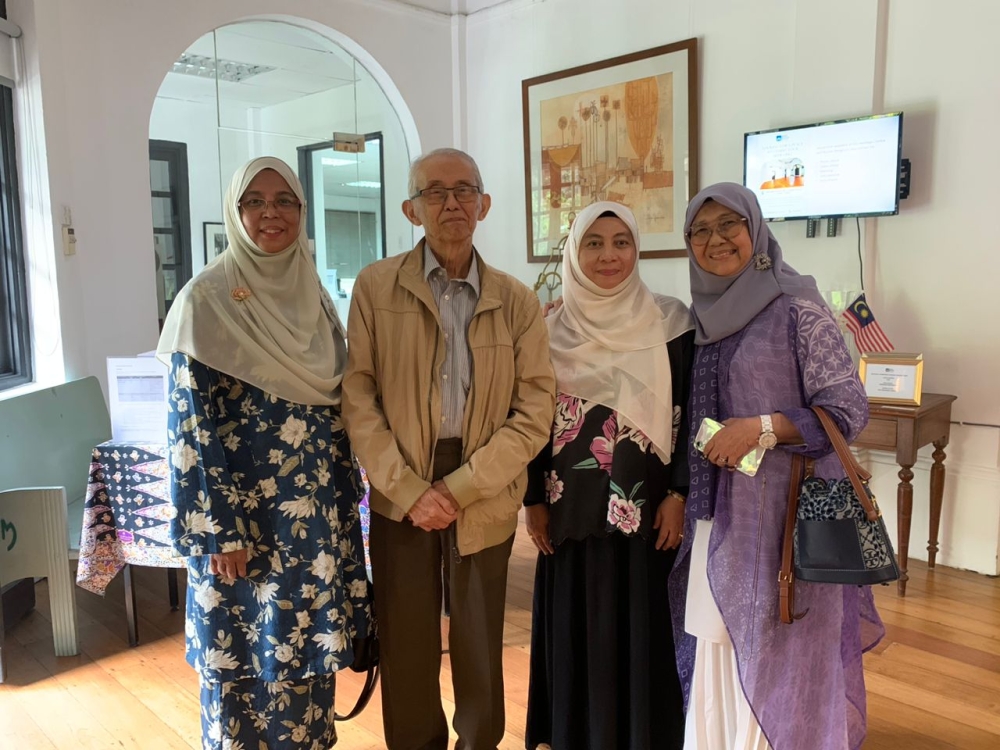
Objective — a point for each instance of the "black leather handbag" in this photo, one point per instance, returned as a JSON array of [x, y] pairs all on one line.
[[834, 530]]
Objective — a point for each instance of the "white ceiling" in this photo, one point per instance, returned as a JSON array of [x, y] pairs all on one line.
[[455, 6], [303, 63]]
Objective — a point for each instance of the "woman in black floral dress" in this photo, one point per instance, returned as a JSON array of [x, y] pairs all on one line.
[[605, 502]]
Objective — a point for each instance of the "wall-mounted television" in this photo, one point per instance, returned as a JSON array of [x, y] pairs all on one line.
[[827, 169]]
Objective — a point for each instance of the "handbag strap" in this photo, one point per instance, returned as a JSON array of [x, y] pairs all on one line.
[[854, 470], [371, 680], [786, 576]]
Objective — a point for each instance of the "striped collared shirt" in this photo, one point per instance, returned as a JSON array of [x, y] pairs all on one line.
[[456, 300]]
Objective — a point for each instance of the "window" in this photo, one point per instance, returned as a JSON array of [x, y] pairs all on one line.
[[15, 339]]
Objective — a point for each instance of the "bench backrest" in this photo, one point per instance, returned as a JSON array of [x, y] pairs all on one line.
[[47, 436]]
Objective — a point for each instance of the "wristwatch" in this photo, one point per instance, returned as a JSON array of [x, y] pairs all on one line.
[[767, 439]]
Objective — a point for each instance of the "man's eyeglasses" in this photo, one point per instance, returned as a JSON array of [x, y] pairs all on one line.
[[727, 229], [257, 205], [438, 195]]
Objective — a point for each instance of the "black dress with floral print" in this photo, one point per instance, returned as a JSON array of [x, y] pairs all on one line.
[[599, 475], [603, 673]]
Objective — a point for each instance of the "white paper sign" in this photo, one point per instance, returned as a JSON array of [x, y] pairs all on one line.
[[137, 395], [891, 381]]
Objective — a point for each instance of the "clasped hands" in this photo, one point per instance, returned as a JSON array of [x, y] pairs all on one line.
[[436, 509]]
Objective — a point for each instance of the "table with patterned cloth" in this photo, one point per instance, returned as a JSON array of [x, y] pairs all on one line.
[[126, 521]]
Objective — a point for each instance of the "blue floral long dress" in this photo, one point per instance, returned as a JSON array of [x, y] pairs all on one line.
[[249, 470]]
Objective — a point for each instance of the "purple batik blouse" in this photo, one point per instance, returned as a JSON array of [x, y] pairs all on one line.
[[804, 681]]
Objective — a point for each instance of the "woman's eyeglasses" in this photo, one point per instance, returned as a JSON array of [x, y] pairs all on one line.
[[438, 195], [727, 230], [257, 205]]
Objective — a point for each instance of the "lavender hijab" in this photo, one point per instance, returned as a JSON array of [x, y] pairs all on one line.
[[723, 305]]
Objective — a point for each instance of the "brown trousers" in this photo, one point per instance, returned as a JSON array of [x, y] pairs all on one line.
[[407, 571]]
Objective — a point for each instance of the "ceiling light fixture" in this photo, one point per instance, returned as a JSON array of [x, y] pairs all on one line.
[[210, 67]]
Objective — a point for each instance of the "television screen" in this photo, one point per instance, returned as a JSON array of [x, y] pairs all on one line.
[[830, 169]]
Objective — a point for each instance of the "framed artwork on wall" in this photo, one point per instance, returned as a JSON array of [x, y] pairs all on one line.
[[624, 130], [215, 240]]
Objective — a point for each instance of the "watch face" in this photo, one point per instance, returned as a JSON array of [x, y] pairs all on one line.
[[768, 440]]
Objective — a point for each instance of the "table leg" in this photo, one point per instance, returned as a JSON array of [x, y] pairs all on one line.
[[130, 619], [172, 589], [937, 495], [904, 508]]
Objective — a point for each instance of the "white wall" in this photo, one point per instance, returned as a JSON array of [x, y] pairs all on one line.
[[931, 272], [101, 64]]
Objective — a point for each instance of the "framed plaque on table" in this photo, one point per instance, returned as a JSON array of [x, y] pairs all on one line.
[[892, 377]]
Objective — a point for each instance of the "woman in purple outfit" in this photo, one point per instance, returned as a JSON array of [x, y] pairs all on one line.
[[767, 350]]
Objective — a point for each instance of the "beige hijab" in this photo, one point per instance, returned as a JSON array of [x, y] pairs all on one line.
[[263, 318], [609, 345]]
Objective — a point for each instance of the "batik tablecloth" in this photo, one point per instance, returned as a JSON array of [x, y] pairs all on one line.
[[127, 513]]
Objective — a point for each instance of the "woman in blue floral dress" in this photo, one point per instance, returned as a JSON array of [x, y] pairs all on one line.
[[605, 502], [263, 479]]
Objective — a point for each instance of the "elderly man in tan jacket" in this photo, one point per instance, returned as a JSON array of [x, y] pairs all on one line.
[[447, 396]]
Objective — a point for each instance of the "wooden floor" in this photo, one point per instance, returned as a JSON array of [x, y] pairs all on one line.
[[934, 682]]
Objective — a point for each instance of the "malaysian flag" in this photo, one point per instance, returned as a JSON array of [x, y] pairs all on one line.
[[868, 335]]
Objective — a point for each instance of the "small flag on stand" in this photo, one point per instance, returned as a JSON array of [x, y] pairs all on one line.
[[868, 334]]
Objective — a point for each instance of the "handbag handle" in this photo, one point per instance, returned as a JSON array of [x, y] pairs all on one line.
[[786, 576], [371, 680], [855, 472]]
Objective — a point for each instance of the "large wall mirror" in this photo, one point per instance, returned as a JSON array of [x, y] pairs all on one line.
[[268, 88]]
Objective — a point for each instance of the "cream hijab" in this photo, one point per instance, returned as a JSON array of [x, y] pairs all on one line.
[[263, 318], [608, 345]]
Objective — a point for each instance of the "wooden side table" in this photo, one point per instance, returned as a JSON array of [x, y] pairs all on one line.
[[905, 430]]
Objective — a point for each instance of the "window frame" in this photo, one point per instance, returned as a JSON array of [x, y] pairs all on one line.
[[16, 365]]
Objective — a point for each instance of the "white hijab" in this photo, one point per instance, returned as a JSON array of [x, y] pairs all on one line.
[[261, 317], [609, 345]]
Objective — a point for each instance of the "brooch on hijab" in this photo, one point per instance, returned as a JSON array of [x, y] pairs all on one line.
[[241, 294], [761, 262]]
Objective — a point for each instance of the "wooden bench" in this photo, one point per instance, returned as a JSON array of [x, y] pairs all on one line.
[[46, 440]]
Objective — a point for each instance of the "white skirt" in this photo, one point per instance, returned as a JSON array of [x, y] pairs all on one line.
[[718, 715]]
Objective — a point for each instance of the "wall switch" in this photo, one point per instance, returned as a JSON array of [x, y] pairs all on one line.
[[67, 216], [69, 240]]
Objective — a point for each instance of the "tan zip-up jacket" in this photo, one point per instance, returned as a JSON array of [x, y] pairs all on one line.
[[392, 394]]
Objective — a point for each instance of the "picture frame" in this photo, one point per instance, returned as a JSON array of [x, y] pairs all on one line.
[[215, 239], [892, 377], [623, 129]]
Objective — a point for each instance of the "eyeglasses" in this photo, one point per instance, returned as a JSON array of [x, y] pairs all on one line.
[[437, 195], [257, 205], [727, 229]]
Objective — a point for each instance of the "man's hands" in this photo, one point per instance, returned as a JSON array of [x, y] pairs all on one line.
[[435, 509]]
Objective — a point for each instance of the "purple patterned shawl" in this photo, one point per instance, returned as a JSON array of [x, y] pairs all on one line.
[[804, 681]]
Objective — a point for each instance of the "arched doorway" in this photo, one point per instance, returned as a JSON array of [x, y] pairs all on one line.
[[266, 87]]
